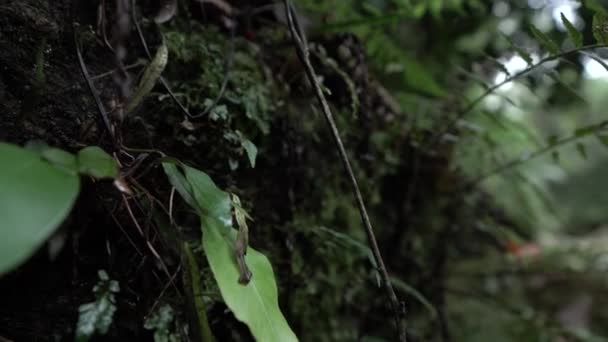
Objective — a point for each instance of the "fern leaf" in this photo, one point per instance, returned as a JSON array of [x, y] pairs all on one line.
[[545, 41], [573, 33]]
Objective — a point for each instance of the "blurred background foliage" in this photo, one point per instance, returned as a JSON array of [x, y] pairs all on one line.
[[547, 281]]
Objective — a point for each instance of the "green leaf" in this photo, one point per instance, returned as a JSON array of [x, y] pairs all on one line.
[[418, 77], [35, 198], [545, 41], [575, 35], [401, 285], [552, 140], [252, 151], [61, 159], [151, 74], [94, 162], [603, 138], [600, 27], [595, 6], [555, 156], [521, 52], [210, 200], [583, 131], [582, 150], [435, 7], [96, 317], [255, 304], [161, 322], [177, 179]]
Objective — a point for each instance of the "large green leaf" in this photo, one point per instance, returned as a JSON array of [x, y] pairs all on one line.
[[38, 186], [35, 197], [255, 304]]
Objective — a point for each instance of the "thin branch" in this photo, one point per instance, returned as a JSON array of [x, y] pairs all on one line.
[[452, 123], [92, 89], [303, 54], [109, 73], [227, 67], [518, 161]]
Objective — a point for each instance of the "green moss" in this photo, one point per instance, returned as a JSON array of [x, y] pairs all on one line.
[[200, 58]]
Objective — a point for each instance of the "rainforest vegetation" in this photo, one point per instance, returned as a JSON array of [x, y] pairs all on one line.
[[312, 170]]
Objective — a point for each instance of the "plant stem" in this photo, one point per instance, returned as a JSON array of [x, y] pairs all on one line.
[[518, 161], [435, 138], [303, 54]]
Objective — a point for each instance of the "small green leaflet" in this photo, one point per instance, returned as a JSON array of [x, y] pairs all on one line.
[[161, 321], [96, 317], [594, 5], [573, 33], [94, 162], [251, 150], [418, 77], [603, 138], [555, 156], [148, 80], [545, 41], [521, 52], [600, 28], [582, 150], [255, 304], [583, 131], [552, 140]]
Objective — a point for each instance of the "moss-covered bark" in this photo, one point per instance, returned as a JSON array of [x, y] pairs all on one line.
[[305, 218]]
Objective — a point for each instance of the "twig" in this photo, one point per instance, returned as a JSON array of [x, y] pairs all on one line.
[[162, 292], [303, 54], [163, 81], [108, 73], [87, 77], [452, 123], [518, 161]]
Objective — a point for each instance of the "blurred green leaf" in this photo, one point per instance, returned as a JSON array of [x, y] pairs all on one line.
[[552, 140], [35, 198], [419, 78], [177, 179], [594, 5], [161, 322], [95, 162], [521, 52], [580, 132], [61, 159], [603, 138], [575, 35], [555, 156], [600, 28], [401, 285], [582, 150], [96, 317], [545, 41], [251, 150]]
